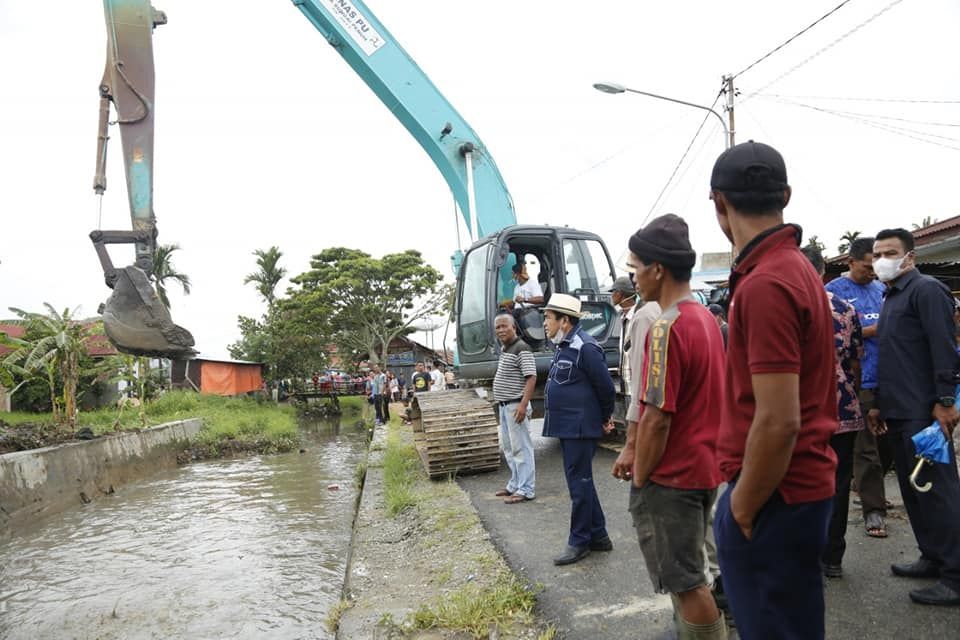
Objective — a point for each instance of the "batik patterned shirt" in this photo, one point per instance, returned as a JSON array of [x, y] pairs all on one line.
[[848, 340]]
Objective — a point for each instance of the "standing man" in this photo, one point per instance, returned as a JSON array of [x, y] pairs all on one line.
[[872, 455], [624, 297], [376, 391], [420, 381], [848, 342], [717, 312], [436, 378], [780, 408], [916, 379], [674, 469], [579, 399], [512, 390]]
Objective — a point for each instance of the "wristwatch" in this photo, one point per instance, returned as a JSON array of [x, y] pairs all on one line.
[[946, 401]]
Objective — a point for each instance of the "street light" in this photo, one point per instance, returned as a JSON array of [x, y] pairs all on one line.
[[613, 87]]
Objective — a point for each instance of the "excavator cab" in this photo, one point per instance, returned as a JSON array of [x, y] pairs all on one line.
[[563, 260], [134, 318]]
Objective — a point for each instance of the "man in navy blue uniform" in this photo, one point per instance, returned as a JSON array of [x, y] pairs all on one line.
[[579, 402], [916, 381]]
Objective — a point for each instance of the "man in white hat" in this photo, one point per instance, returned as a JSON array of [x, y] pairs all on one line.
[[579, 399]]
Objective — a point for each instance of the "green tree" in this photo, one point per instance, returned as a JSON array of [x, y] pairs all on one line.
[[362, 302], [846, 240], [164, 271], [290, 348], [926, 222], [51, 350], [268, 274], [814, 241]]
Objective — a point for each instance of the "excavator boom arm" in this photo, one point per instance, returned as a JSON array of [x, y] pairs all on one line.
[[366, 45]]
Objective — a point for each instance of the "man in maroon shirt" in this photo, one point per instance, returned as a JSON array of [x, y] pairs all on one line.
[[669, 454], [780, 407]]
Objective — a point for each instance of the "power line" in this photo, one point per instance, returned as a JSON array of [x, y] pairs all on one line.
[[823, 49], [682, 158], [877, 116], [900, 131], [793, 37], [853, 99]]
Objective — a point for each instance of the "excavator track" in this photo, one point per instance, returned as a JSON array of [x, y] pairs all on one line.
[[456, 432]]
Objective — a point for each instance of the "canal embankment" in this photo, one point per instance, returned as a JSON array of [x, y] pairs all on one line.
[[422, 565], [41, 482]]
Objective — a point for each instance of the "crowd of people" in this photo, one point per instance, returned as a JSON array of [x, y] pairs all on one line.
[[748, 425], [382, 386]]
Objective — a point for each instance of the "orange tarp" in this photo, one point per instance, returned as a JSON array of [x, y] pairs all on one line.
[[229, 379]]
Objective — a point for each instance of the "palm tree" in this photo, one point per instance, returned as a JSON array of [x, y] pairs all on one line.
[[269, 274], [846, 240], [163, 270], [51, 351]]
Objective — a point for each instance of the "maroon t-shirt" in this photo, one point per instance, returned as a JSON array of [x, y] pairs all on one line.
[[780, 322], [683, 376]]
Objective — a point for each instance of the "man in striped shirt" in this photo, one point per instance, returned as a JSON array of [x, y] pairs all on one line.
[[512, 389]]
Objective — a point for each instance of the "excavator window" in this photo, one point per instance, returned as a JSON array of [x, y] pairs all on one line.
[[587, 268], [474, 312]]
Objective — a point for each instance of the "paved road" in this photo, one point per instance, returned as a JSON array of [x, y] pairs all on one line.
[[609, 595]]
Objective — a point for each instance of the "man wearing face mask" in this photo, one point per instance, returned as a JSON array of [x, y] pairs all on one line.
[[578, 399], [872, 455], [916, 379]]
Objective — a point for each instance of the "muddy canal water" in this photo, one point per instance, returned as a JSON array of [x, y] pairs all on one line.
[[246, 548]]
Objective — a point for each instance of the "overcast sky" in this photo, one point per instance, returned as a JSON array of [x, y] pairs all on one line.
[[265, 136]]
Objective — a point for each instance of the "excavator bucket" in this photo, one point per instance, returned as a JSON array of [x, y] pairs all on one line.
[[137, 322]]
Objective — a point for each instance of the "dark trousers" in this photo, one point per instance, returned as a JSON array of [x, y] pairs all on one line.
[[586, 515], [378, 407], [773, 581], [385, 407], [934, 515], [872, 459], [842, 444]]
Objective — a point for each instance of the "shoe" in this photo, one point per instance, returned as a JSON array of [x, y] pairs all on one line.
[[516, 499], [571, 555], [832, 570], [939, 594], [503, 493], [922, 568], [601, 544]]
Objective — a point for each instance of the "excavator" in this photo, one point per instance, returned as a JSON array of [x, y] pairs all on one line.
[[563, 260]]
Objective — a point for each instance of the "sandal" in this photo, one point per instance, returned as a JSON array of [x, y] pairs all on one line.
[[503, 492], [874, 525], [516, 499]]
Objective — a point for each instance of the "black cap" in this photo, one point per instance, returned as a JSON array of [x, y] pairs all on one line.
[[749, 166], [715, 309], [517, 267], [623, 285], [665, 240]]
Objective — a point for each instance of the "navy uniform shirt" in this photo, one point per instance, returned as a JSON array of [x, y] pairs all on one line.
[[917, 350]]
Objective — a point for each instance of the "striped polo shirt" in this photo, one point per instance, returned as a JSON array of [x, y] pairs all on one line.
[[515, 364]]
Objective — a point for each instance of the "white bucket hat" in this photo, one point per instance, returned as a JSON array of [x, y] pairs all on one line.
[[565, 304]]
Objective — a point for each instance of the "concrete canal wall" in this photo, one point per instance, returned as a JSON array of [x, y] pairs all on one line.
[[39, 482]]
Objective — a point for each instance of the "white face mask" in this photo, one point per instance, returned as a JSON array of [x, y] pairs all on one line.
[[558, 337], [888, 269]]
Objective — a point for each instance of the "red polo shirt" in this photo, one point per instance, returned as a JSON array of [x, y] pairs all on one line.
[[780, 322], [683, 376]]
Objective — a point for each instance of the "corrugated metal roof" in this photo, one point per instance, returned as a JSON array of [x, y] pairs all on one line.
[[935, 229]]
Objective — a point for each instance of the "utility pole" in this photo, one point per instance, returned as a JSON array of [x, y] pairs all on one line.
[[731, 92]]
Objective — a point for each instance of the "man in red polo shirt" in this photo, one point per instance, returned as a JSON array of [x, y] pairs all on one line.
[[670, 453], [780, 408]]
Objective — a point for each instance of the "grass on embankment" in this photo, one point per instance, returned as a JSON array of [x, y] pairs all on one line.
[[230, 425], [473, 591]]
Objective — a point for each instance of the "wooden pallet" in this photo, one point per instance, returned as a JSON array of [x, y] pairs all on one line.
[[456, 432]]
